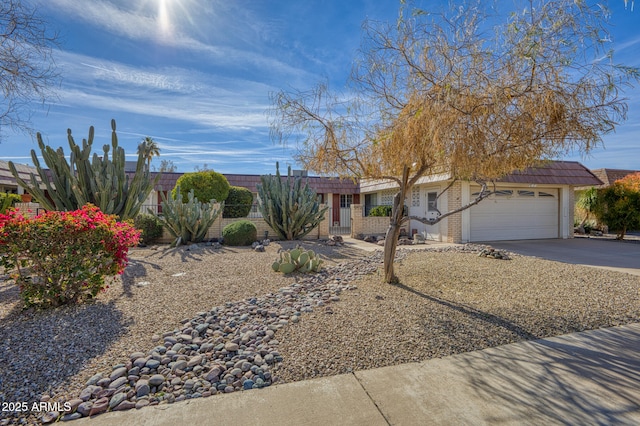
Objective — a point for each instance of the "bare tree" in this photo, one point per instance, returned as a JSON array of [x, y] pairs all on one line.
[[166, 166], [446, 93], [27, 68]]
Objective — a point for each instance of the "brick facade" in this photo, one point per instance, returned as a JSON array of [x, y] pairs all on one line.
[[368, 225], [454, 222]]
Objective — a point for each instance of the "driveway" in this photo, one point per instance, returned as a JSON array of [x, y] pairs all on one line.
[[613, 255]]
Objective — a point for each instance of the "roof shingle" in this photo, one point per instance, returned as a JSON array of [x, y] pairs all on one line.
[[555, 173]]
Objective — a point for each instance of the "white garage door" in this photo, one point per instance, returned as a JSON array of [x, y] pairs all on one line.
[[516, 214]]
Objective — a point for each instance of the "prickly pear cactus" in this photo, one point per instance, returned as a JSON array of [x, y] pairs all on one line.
[[297, 259]]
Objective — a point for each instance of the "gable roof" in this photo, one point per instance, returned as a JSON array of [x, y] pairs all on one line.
[[608, 176], [555, 173], [549, 173]]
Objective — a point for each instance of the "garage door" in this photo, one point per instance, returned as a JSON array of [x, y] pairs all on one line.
[[516, 214]]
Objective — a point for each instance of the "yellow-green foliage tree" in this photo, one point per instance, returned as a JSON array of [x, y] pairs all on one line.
[[619, 205], [445, 92], [206, 185]]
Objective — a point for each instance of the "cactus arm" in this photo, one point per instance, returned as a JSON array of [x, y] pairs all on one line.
[[289, 207]]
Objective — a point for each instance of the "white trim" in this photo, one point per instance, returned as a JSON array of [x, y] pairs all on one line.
[[374, 185], [566, 223], [466, 214]]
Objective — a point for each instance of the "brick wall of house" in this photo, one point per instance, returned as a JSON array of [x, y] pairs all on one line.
[[454, 222], [368, 225]]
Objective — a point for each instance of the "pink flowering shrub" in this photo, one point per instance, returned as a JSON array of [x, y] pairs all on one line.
[[63, 257]]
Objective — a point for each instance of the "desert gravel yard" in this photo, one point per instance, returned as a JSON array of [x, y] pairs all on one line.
[[449, 302]]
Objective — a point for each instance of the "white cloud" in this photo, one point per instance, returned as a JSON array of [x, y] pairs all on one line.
[[140, 25], [169, 93]]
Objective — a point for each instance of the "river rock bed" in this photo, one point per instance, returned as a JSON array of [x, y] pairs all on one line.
[[227, 349]]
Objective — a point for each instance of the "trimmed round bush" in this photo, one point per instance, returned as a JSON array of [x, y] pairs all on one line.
[[206, 185], [240, 233], [238, 203], [150, 226]]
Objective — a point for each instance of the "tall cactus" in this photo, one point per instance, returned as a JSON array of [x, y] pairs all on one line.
[[84, 179], [289, 208], [190, 221]]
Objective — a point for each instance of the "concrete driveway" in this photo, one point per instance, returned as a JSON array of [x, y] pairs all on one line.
[[613, 255]]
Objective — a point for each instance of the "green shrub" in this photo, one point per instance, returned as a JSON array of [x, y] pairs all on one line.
[[385, 211], [619, 205], [206, 185], [381, 211], [238, 203], [60, 258], [240, 233], [150, 226], [8, 200]]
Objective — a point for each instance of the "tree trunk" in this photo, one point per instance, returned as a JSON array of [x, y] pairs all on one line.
[[390, 243], [391, 239]]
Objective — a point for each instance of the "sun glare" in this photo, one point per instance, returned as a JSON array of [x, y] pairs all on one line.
[[163, 19]]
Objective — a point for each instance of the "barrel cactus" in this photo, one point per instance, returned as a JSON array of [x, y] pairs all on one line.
[[297, 259]]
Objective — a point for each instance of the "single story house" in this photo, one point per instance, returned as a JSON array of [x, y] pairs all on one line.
[[338, 194], [535, 203], [8, 183]]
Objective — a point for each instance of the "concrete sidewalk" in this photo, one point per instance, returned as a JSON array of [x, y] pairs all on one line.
[[582, 378]]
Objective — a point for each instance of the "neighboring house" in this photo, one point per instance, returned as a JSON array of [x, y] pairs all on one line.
[[532, 204], [608, 176], [338, 194], [8, 182]]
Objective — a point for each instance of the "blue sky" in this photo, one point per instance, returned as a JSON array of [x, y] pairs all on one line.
[[196, 75]]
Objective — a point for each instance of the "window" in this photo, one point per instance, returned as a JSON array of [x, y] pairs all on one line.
[[524, 193], [346, 200], [544, 194], [371, 199], [432, 200], [504, 193], [415, 197]]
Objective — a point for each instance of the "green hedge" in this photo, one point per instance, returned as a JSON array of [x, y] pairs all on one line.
[[240, 233], [238, 203], [385, 211]]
